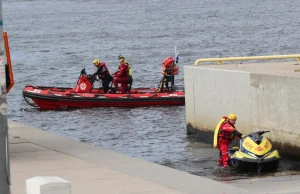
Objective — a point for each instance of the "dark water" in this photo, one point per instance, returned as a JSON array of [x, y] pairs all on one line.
[[51, 41]]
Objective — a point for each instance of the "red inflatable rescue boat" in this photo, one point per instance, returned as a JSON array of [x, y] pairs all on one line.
[[85, 96]]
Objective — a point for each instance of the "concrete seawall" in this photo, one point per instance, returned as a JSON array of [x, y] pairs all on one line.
[[94, 170], [265, 96], [34, 152]]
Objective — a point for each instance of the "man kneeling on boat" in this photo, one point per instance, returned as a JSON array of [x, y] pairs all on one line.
[[122, 77], [103, 74], [123, 60]]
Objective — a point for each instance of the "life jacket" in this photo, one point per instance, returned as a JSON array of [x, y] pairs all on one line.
[[175, 70], [104, 70], [225, 134], [129, 68], [169, 71]]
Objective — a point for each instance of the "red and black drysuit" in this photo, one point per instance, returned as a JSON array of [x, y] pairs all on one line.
[[104, 75], [167, 71]]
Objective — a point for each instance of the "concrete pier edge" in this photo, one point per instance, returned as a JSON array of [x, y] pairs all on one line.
[[171, 178]]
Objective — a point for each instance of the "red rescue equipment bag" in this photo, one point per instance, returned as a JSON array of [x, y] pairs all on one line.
[[168, 62]]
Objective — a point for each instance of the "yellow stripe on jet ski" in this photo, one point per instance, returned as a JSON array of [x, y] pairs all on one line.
[[240, 155], [273, 154]]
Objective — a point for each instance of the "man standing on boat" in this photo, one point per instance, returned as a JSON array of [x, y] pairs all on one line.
[[169, 69], [122, 76], [103, 74]]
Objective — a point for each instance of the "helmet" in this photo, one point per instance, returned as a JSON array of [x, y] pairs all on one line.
[[121, 57], [232, 116], [96, 62]]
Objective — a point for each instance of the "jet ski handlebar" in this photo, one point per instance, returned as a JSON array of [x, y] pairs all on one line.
[[258, 133]]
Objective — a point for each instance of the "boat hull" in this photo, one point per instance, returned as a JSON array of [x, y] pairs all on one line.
[[63, 98]]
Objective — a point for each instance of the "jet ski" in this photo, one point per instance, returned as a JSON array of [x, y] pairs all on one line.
[[254, 151]]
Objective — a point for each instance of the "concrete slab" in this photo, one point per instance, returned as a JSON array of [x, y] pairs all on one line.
[[82, 174], [15, 140], [95, 180], [38, 155], [18, 185], [25, 147], [284, 184], [266, 68], [121, 186], [140, 176], [44, 165]]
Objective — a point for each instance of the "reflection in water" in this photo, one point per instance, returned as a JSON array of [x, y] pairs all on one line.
[[205, 163]]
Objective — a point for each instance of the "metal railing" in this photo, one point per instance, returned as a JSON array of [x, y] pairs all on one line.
[[271, 57]]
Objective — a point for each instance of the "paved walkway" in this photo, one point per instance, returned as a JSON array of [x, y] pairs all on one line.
[[93, 170], [271, 185], [28, 160]]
